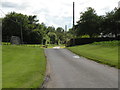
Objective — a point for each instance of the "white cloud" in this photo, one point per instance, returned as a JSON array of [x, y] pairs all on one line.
[[57, 12]]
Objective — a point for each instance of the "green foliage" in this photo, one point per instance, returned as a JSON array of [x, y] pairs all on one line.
[[60, 35], [88, 23], [5, 43], [23, 67], [85, 36], [53, 37], [93, 25], [14, 23], [50, 29], [107, 43], [111, 23]]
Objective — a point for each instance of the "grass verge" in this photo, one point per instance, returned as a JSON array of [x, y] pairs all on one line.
[[0, 67], [23, 67], [105, 54]]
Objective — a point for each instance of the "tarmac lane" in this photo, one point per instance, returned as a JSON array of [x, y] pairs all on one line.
[[68, 70]]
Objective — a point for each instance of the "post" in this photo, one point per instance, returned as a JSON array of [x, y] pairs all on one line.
[[65, 27], [21, 35], [74, 22], [65, 34], [73, 15], [118, 4]]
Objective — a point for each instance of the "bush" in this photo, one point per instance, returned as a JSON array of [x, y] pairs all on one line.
[[6, 43]]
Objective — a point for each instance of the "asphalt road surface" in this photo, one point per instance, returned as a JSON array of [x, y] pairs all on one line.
[[68, 70]]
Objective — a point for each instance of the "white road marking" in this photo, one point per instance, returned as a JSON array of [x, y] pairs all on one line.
[[76, 57], [56, 47]]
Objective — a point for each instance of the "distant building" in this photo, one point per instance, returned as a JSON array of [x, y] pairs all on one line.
[[119, 4]]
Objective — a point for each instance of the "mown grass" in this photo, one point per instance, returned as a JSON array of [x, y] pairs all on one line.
[[103, 52], [0, 67], [23, 67], [37, 45]]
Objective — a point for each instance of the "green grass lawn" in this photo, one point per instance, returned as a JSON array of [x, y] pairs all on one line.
[[103, 53], [23, 67], [42, 46], [0, 67]]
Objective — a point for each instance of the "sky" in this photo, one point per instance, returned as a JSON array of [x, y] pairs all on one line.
[[57, 13]]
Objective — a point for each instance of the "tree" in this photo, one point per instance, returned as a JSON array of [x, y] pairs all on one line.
[[50, 29], [111, 23], [38, 36], [53, 37], [14, 23], [60, 35], [117, 18], [60, 30], [88, 23]]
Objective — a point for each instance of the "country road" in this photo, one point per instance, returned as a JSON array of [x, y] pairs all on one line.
[[68, 70]]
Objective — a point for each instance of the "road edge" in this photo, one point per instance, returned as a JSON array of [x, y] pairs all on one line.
[[47, 73]]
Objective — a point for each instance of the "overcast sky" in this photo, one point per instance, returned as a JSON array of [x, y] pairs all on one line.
[[56, 12]]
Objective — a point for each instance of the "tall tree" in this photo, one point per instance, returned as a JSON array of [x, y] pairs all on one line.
[[88, 23], [13, 23], [111, 23], [53, 37]]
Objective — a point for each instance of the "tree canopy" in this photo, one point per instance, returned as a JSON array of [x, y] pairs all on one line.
[[33, 32], [93, 25]]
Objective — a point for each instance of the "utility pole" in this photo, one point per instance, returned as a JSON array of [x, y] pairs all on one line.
[[65, 27], [73, 14], [65, 34], [21, 35], [74, 22], [20, 24], [118, 4]]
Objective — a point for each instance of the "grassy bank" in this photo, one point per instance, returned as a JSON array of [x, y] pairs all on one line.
[[103, 52], [23, 67], [0, 67]]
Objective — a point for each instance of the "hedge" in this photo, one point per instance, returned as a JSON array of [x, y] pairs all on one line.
[[82, 41]]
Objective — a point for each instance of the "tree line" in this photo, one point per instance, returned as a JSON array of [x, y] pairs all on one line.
[[32, 31], [91, 25]]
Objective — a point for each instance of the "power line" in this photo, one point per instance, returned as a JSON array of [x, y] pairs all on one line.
[[2, 12], [5, 15]]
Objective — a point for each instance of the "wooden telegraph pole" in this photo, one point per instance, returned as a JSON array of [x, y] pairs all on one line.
[[65, 28], [74, 22], [73, 14]]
